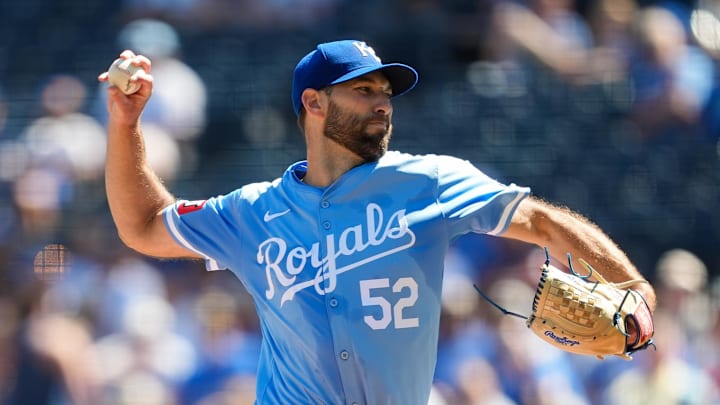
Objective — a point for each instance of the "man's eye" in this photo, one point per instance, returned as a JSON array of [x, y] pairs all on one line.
[[369, 90]]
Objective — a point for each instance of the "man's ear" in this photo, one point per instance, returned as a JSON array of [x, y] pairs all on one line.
[[311, 101]]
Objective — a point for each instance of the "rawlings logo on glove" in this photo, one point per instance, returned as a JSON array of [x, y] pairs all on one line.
[[561, 340], [588, 317]]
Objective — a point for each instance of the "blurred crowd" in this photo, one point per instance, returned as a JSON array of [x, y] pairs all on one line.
[[611, 107]]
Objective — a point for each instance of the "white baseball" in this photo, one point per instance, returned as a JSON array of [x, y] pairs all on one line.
[[119, 75]]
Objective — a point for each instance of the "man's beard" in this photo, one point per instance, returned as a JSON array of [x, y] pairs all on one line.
[[352, 132]]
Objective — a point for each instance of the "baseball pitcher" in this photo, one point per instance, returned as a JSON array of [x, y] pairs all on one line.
[[343, 253]]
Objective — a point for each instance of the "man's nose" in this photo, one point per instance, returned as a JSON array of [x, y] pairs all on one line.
[[383, 105]]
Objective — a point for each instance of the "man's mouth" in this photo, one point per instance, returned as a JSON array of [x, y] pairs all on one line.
[[381, 123]]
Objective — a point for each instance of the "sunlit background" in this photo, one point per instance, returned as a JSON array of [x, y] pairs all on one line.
[[611, 107]]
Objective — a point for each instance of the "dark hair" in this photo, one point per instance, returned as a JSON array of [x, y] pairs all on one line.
[[301, 119]]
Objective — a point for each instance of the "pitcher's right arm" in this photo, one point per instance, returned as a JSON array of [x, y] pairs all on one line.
[[135, 194]]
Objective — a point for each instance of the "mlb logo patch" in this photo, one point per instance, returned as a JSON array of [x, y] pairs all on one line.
[[186, 207]]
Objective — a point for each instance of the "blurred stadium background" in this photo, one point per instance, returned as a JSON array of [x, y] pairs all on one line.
[[611, 107]]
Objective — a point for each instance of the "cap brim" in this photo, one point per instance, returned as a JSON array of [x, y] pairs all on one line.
[[402, 77]]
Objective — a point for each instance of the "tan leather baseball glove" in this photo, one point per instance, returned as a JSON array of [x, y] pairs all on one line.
[[586, 314]]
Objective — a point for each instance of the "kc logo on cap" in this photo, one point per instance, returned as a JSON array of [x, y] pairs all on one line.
[[339, 61], [366, 50]]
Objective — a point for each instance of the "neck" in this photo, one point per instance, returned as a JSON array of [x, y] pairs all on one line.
[[327, 161]]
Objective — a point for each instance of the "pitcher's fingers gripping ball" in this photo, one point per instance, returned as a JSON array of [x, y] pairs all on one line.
[[588, 317], [120, 74]]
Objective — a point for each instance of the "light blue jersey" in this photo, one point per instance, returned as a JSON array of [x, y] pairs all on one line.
[[347, 279]]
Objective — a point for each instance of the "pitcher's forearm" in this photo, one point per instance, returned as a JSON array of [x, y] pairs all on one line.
[[135, 194], [565, 231]]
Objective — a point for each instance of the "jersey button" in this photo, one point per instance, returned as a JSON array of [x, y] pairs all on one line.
[[344, 355], [324, 203], [326, 225], [333, 302]]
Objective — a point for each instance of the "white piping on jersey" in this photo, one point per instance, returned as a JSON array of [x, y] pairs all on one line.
[[506, 213], [212, 264]]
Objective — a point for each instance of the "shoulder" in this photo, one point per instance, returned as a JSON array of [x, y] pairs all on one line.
[[248, 194], [422, 162]]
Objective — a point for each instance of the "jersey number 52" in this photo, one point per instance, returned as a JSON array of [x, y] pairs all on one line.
[[405, 287]]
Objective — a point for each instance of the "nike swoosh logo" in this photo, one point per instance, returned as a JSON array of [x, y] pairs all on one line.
[[269, 217]]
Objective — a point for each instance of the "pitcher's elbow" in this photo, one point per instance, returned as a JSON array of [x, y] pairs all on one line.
[[131, 240]]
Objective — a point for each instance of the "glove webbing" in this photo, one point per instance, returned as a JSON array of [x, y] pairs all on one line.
[[543, 277]]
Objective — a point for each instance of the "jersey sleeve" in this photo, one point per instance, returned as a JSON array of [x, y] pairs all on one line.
[[473, 202], [202, 227]]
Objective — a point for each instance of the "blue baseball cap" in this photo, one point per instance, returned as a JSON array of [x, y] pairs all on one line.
[[339, 61]]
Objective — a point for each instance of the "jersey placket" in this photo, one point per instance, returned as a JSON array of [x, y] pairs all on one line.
[[337, 308]]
